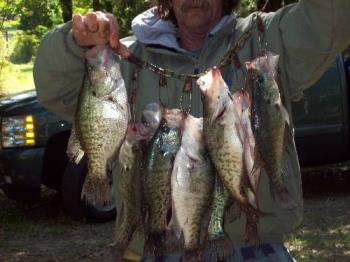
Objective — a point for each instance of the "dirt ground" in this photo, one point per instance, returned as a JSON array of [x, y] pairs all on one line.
[[43, 232]]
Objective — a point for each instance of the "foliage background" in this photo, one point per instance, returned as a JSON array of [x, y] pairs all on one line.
[[23, 23]]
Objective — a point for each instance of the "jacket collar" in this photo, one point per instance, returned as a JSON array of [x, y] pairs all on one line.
[[149, 29]]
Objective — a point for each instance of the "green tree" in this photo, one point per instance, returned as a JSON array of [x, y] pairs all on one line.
[[33, 13], [125, 11], [7, 11], [67, 9]]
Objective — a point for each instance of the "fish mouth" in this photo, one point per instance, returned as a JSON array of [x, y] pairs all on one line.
[[218, 114], [221, 112]]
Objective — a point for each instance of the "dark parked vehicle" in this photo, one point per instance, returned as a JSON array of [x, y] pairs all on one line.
[[33, 143], [33, 152]]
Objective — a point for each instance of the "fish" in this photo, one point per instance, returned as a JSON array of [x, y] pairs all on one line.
[[243, 103], [192, 185], [219, 206], [100, 124], [129, 219], [156, 178], [218, 243], [224, 135], [269, 121]]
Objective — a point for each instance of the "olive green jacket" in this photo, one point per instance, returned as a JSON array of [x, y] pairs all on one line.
[[307, 36]]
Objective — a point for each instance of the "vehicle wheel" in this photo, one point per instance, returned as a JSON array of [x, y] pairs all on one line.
[[72, 184], [23, 195]]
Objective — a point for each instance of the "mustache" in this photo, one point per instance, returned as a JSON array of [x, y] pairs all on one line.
[[203, 4]]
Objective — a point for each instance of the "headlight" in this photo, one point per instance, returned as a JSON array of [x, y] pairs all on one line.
[[18, 131]]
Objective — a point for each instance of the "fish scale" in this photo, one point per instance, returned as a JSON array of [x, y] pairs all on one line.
[[269, 121], [128, 182], [222, 129], [100, 123], [156, 183], [128, 179], [216, 224], [192, 184]]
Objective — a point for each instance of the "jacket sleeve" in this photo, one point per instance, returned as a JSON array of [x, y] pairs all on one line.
[[58, 71], [308, 35]]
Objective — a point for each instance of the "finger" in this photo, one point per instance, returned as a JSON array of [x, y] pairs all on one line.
[[78, 25], [114, 31], [90, 21], [103, 26]]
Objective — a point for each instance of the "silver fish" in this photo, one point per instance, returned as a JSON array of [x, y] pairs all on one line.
[[192, 184]]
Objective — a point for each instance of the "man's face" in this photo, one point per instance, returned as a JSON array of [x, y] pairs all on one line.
[[198, 15]]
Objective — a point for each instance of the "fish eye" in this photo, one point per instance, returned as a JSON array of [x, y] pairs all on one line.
[[145, 123]]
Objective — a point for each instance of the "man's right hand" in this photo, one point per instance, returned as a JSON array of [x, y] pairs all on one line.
[[96, 28]]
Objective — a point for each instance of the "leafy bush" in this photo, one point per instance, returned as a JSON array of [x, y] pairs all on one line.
[[3, 61], [125, 11], [25, 48], [33, 13], [40, 31]]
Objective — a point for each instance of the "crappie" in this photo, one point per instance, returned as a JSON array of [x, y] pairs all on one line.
[[129, 176], [222, 129], [218, 244], [219, 206], [100, 123], [156, 183], [269, 120], [192, 184]]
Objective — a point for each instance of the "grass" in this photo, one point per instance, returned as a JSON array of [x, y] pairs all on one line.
[[14, 78], [32, 221], [44, 233], [325, 232], [17, 78]]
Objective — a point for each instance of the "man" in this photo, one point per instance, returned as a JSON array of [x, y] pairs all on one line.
[[189, 37]]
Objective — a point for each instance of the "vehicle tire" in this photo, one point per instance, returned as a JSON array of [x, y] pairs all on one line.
[[23, 195], [72, 184]]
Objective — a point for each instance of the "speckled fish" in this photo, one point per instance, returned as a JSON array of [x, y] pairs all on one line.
[[222, 131], [159, 161], [269, 120], [218, 243], [192, 184], [100, 123], [129, 176]]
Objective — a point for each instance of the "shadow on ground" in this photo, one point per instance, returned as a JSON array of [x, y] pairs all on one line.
[[43, 232], [325, 232], [317, 184]]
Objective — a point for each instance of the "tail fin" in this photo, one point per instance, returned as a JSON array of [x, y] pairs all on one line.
[[97, 188]]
